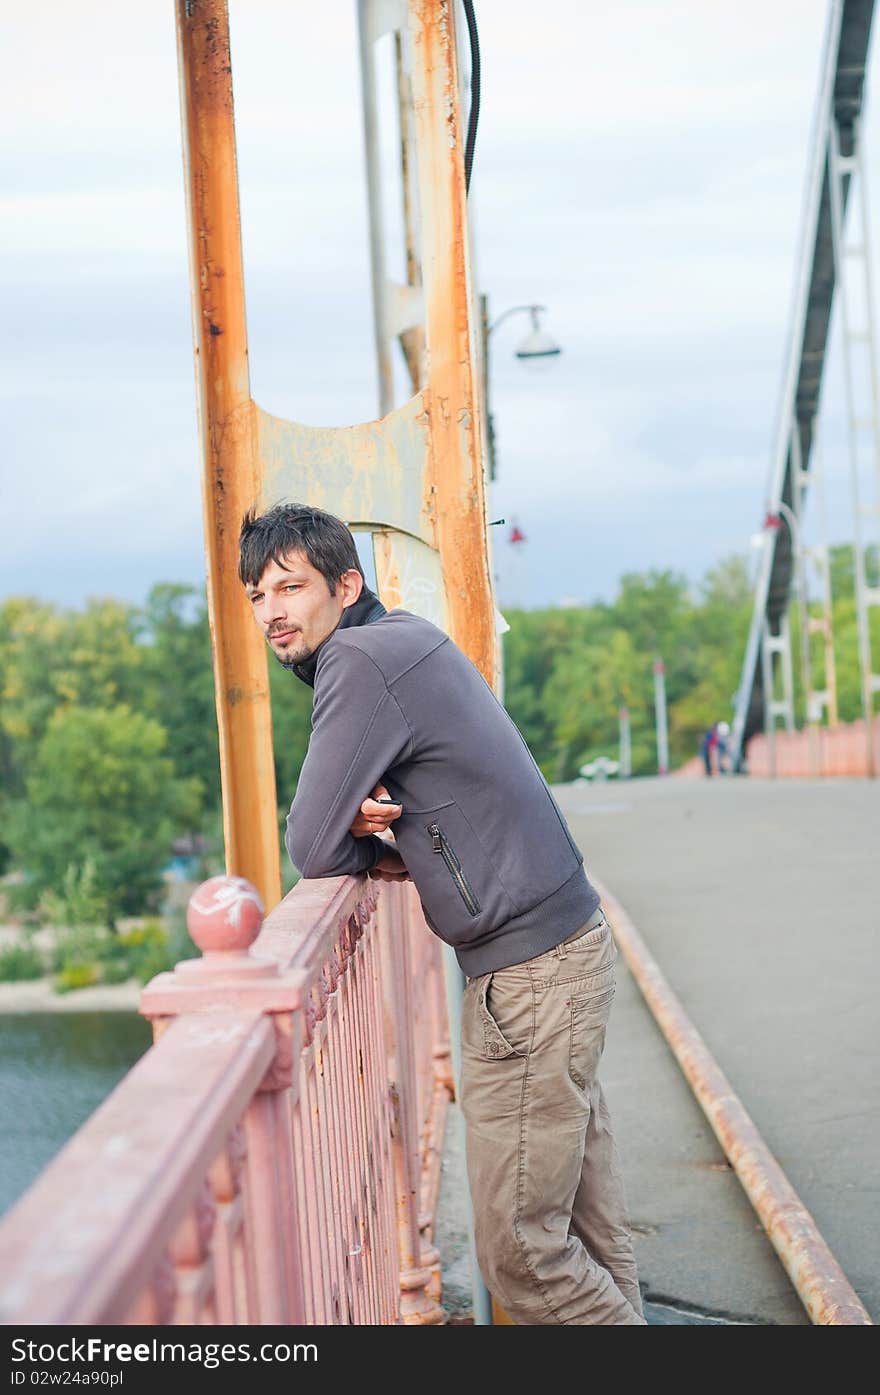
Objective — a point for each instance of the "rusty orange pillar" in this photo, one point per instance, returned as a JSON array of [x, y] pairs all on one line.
[[230, 481], [456, 470]]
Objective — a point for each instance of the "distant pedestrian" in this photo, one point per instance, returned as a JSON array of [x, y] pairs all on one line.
[[708, 744], [722, 730]]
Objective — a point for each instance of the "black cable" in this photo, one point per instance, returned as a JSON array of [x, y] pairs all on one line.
[[474, 115]]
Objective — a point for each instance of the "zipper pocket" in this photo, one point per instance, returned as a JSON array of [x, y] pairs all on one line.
[[447, 852]]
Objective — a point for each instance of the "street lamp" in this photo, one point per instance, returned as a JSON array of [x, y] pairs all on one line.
[[536, 349], [537, 344]]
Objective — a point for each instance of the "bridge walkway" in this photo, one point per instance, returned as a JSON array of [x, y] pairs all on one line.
[[759, 901]]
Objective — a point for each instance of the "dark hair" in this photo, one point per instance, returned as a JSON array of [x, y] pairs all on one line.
[[269, 537]]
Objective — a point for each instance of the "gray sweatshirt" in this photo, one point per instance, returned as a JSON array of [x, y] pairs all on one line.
[[497, 871]]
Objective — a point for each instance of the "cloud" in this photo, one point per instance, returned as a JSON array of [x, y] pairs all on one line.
[[639, 169]]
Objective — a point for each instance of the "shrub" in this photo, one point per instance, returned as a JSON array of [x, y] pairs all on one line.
[[180, 944], [91, 954], [115, 971], [77, 976], [83, 944], [78, 901], [146, 950], [20, 962]]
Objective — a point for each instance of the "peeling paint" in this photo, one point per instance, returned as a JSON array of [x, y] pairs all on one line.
[[204, 1033], [116, 1146], [372, 473]]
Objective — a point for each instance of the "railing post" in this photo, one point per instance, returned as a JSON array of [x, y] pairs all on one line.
[[224, 919], [417, 1301]]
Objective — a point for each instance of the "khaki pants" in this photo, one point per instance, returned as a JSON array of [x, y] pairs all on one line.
[[550, 1222]]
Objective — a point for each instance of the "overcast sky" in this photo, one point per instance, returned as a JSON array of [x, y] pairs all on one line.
[[639, 170]]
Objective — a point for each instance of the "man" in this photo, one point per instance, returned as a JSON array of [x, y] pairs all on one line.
[[400, 713]]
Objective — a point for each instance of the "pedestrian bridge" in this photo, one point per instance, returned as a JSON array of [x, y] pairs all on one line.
[[275, 1157]]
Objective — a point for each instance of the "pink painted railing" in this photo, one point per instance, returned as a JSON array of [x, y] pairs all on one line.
[[274, 1157], [690, 770], [838, 750]]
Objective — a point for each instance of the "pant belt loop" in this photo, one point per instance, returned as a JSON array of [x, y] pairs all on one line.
[[561, 950]]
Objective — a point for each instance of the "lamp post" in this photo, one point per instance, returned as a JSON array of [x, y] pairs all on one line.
[[537, 344], [625, 744], [660, 717], [536, 347]]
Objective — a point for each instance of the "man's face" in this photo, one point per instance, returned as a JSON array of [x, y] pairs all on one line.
[[294, 609]]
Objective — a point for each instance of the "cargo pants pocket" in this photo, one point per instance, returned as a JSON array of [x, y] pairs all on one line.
[[506, 1001], [590, 1010]]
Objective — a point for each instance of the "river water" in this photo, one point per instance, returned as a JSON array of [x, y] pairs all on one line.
[[55, 1069]]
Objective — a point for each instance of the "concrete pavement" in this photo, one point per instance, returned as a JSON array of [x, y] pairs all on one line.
[[759, 899]]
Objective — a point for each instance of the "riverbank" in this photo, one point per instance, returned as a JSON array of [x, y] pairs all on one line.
[[38, 995], [95, 969]]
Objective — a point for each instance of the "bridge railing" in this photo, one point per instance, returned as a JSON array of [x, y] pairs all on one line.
[[840, 750], [274, 1156]]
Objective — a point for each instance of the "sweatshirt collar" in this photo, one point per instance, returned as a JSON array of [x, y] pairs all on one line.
[[365, 610]]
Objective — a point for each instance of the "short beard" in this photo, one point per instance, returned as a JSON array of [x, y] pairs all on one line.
[[289, 662]]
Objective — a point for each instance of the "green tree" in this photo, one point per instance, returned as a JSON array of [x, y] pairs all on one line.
[[589, 685], [653, 607], [532, 647], [568, 672], [101, 663], [842, 568], [31, 635], [179, 679], [103, 790], [716, 634], [50, 659]]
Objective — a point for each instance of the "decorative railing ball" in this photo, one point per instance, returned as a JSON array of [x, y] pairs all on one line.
[[224, 915]]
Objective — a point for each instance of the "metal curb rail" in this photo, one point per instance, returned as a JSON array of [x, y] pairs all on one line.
[[821, 1284]]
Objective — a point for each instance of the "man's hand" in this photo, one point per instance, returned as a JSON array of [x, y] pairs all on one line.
[[390, 867], [374, 817]]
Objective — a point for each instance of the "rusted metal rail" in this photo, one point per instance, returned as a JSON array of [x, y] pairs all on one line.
[[820, 1282], [273, 1157]]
